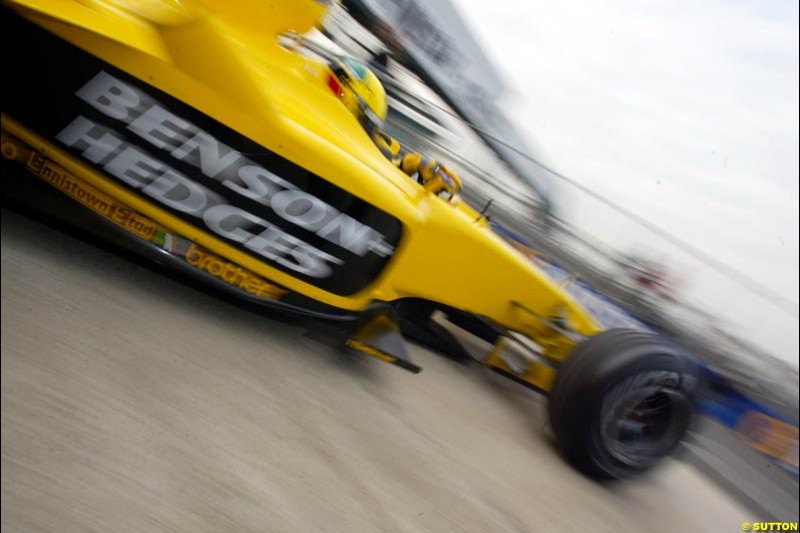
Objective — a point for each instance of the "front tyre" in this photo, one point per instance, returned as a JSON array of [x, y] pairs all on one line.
[[621, 402]]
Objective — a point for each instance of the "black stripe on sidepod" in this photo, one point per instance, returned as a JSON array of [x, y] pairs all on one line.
[[47, 71]]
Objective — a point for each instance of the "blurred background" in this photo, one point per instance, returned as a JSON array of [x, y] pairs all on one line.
[[647, 156]]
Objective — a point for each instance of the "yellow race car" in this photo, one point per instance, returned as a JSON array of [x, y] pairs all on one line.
[[187, 132]]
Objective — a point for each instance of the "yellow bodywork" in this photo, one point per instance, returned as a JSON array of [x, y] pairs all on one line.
[[223, 57]]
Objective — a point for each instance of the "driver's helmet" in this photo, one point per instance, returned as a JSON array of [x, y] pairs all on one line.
[[360, 91]]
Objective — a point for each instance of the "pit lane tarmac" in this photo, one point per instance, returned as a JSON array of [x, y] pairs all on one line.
[[133, 403]]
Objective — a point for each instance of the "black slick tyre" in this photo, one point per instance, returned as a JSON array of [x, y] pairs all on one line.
[[621, 403]]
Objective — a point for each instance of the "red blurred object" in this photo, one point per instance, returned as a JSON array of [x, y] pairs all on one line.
[[655, 281], [335, 86]]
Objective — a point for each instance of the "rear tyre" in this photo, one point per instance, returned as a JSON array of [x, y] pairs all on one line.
[[621, 403]]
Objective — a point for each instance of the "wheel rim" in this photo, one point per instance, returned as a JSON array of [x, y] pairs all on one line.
[[644, 417]]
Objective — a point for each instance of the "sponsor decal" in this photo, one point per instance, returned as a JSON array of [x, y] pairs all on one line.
[[99, 202], [231, 273], [90, 197], [167, 185], [770, 436], [196, 168], [60, 178]]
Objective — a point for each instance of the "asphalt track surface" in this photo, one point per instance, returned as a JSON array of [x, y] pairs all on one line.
[[133, 403]]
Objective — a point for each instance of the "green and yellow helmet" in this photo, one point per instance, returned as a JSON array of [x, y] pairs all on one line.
[[360, 91]]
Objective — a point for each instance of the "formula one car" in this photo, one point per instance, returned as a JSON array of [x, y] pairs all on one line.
[[185, 132]]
